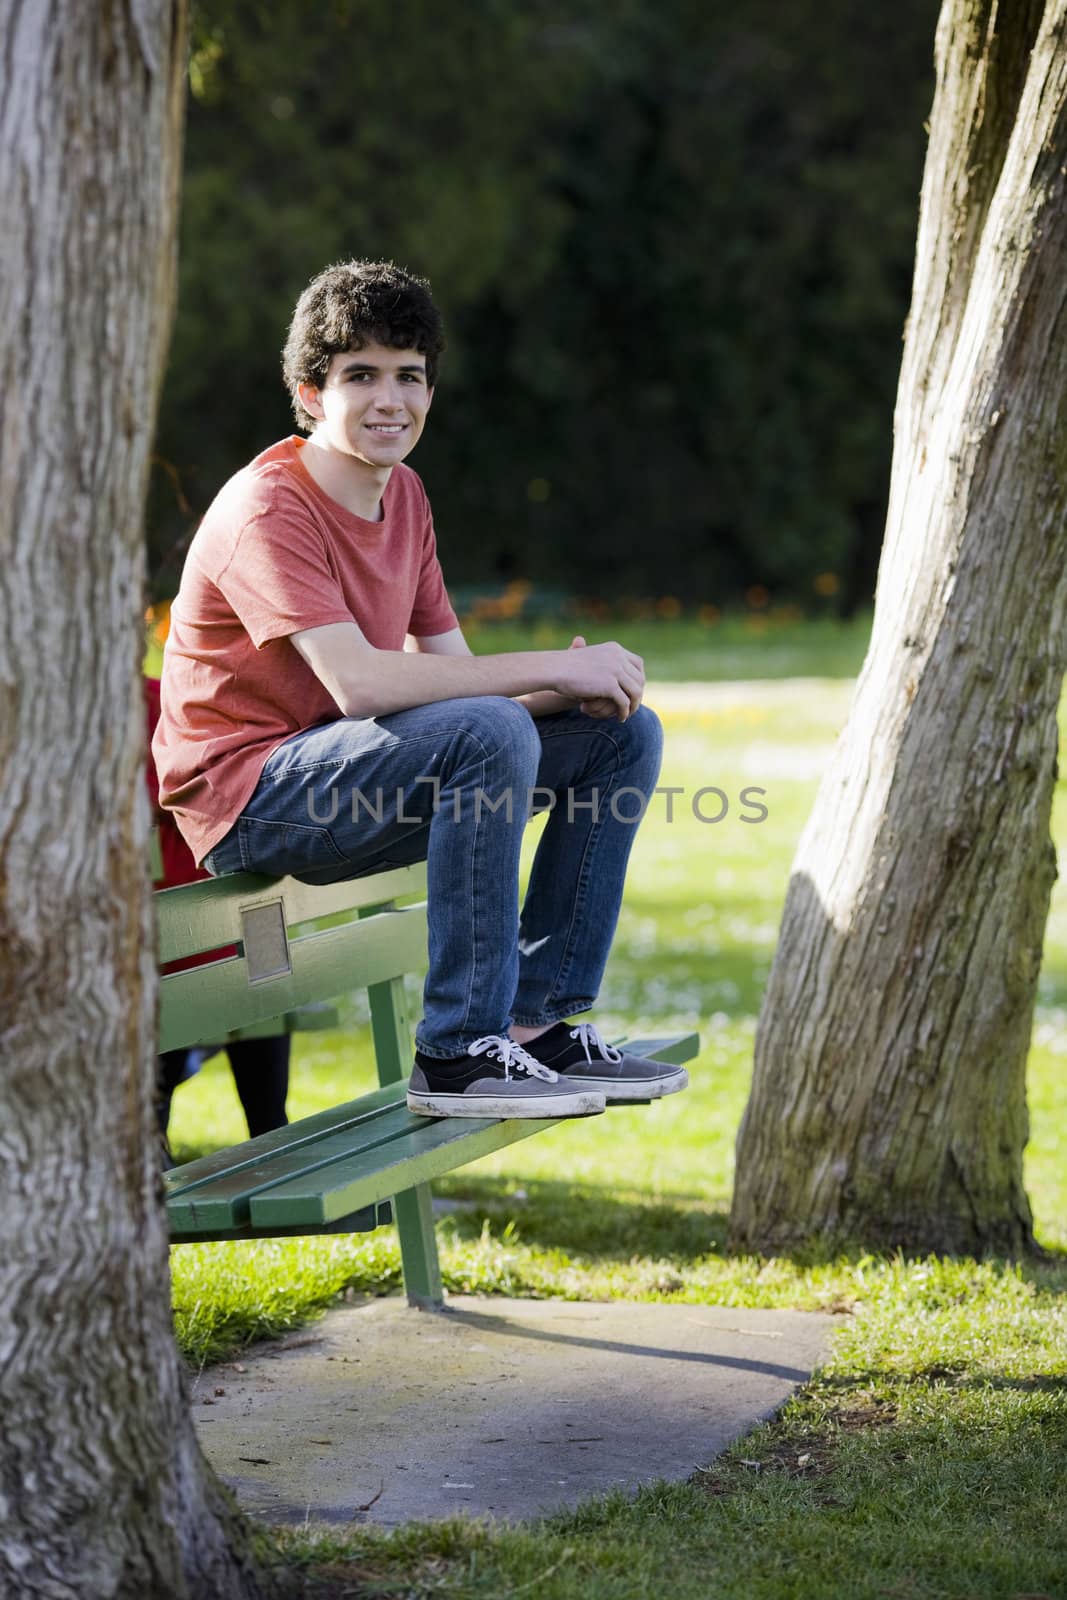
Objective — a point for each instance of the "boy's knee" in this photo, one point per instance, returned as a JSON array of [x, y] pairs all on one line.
[[644, 732], [503, 728]]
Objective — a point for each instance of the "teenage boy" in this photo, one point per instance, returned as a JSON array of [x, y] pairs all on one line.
[[323, 716]]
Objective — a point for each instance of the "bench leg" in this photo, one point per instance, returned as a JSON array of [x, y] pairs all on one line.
[[414, 1208], [418, 1248]]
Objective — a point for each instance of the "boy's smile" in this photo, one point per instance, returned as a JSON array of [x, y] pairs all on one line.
[[370, 410]]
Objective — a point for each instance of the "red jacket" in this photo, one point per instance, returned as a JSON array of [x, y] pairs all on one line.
[[178, 864]]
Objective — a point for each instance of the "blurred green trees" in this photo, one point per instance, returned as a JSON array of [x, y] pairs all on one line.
[[672, 242]]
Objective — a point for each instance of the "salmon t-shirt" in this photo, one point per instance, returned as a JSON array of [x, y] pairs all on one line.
[[273, 555]]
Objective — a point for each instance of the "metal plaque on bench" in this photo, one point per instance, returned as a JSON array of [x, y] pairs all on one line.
[[266, 942]]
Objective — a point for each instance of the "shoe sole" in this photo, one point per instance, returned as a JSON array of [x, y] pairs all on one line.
[[616, 1093], [582, 1103]]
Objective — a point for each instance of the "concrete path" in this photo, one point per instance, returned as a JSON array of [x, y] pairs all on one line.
[[506, 1408]]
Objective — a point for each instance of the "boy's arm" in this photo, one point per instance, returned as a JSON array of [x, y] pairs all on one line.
[[540, 703], [367, 682]]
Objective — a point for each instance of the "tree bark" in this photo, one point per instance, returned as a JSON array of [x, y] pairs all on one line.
[[888, 1100], [103, 1491]]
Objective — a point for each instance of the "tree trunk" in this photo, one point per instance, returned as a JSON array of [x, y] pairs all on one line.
[[103, 1491], [888, 1102]]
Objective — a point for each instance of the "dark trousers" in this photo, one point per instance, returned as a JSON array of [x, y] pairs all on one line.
[[260, 1073]]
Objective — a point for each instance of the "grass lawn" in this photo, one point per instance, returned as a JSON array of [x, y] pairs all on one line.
[[929, 1458], [773, 644]]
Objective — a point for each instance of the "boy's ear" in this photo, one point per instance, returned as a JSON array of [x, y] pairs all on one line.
[[429, 398], [310, 398]]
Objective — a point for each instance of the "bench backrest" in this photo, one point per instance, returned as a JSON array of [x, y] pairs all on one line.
[[283, 960]]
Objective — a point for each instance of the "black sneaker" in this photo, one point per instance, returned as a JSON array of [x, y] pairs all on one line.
[[496, 1078], [582, 1058]]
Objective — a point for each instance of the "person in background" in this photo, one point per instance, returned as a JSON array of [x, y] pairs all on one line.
[[260, 1066]]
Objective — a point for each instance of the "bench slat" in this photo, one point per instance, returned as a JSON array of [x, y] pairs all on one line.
[[676, 1047], [314, 1174], [204, 1003], [293, 1135], [197, 917], [422, 1149], [298, 1136], [365, 1221], [379, 1156], [327, 1172], [223, 1199], [352, 1173], [314, 1018]]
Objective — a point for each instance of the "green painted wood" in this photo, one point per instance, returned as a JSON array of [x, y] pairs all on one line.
[[196, 917], [315, 1018], [203, 1003], [416, 1156], [418, 1248], [677, 1047], [316, 1174], [302, 1132], [393, 1047], [224, 1201], [335, 1171], [390, 1027], [312, 1188], [428, 1148], [239, 1168], [365, 1221]]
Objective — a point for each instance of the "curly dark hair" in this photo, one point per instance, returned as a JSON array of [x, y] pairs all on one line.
[[353, 304]]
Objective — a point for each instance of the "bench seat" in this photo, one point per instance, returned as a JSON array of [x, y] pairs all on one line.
[[336, 1171]]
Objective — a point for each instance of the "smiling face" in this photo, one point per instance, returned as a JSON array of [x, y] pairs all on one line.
[[372, 404]]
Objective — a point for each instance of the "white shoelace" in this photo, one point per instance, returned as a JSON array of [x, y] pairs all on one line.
[[500, 1048], [589, 1039]]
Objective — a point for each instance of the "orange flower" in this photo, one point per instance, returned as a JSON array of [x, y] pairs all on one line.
[[158, 620]]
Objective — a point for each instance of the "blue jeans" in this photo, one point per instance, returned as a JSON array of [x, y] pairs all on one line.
[[453, 784]]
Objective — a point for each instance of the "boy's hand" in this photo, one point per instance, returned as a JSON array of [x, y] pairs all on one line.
[[602, 707], [607, 680]]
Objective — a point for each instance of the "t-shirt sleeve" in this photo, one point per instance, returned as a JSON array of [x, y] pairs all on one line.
[[432, 611], [279, 579]]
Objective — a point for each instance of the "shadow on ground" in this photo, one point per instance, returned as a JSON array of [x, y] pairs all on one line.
[[586, 1220]]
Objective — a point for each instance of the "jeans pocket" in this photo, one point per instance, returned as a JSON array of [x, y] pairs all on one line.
[[287, 848]]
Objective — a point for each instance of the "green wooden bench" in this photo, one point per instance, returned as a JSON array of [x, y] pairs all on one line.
[[348, 1169]]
